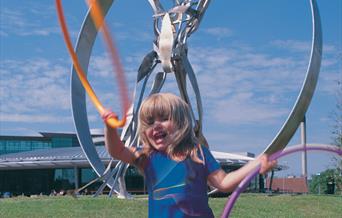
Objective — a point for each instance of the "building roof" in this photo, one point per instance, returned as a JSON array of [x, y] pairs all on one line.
[[50, 158], [19, 133], [229, 157], [74, 157]]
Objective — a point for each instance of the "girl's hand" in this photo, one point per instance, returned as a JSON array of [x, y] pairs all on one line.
[[266, 165], [107, 114]]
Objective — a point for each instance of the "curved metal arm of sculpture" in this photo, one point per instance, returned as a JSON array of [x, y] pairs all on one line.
[[145, 69], [129, 132], [118, 171], [84, 45], [113, 122], [180, 76], [120, 179], [107, 176], [303, 101], [156, 6], [181, 82], [196, 20], [184, 68], [147, 65], [193, 81], [98, 17], [158, 82], [83, 48], [100, 178], [244, 183]]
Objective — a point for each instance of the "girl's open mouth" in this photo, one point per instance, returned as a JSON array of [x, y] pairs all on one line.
[[159, 135]]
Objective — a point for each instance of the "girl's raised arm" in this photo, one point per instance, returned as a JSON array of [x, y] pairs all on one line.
[[113, 143], [228, 182]]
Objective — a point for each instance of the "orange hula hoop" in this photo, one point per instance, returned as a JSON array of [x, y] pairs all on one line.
[[98, 19]]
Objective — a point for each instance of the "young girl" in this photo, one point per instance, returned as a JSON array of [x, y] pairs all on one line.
[[177, 169]]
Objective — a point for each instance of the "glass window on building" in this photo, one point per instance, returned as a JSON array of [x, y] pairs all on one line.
[[64, 179], [59, 142], [134, 181], [25, 146], [15, 146], [2, 147], [27, 182], [12, 146], [36, 145], [75, 142], [87, 175]]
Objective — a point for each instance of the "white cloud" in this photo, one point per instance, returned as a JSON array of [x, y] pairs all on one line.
[[30, 118], [302, 46], [243, 109], [130, 35], [294, 45], [17, 22], [31, 86], [101, 66], [244, 70], [243, 86], [328, 81], [219, 32]]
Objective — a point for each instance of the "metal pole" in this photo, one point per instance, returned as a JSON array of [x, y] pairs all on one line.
[[76, 177], [304, 154], [319, 183], [271, 181]]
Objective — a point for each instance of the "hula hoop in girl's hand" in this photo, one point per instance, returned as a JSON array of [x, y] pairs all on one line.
[[244, 183], [98, 19]]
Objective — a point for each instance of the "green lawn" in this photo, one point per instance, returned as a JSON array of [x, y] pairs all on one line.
[[258, 205], [248, 205]]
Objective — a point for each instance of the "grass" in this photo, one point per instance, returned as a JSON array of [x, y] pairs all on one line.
[[258, 205], [248, 205]]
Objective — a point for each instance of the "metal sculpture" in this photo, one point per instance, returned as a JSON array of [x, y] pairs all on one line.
[[172, 28], [299, 109], [97, 16]]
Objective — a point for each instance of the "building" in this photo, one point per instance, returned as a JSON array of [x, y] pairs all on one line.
[[55, 161], [291, 185]]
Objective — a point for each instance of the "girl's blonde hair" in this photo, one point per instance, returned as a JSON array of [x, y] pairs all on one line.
[[184, 142]]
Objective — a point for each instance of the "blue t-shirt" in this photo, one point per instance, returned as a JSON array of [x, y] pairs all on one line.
[[178, 189]]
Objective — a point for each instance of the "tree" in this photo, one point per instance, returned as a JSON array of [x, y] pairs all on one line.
[[328, 179], [337, 118], [319, 182], [337, 134]]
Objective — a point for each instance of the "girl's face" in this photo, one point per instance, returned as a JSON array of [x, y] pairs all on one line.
[[159, 133]]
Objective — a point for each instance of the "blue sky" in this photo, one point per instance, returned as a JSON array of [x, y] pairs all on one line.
[[250, 58]]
